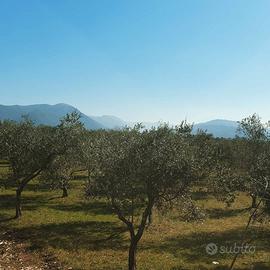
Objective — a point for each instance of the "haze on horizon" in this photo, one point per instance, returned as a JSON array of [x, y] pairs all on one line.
[[144, 60]]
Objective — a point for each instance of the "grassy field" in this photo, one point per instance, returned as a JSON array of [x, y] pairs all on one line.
[[86, 235]]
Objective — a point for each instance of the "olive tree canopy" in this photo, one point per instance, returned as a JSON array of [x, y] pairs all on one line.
[[31, 149], [140, 169]]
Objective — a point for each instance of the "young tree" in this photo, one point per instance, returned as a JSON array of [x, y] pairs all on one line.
[[255, 135], [225, 178], [92, 144], [260, 173], [139, 170], [31, 149], [59, 173]]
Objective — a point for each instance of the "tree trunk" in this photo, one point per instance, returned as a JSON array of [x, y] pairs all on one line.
[[134, 237], [19, 191], [132, 255], [89, 176], [65, 192], [254, 201], [18, 203], [150, 218]]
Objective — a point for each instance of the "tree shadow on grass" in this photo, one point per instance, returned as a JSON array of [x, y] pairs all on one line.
[[261, 266], [90, 207], [216, 213], [7, 201], [5, 218], [192, 247], [29, 203], [199, 195], [75, 236]]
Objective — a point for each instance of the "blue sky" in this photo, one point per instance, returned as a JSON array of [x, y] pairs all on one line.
[[145, 60]]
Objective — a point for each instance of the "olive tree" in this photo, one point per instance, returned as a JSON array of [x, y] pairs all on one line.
[[59, 174], [31, 149], [90, 153], [255, 137], [261, 176], [140, 169]]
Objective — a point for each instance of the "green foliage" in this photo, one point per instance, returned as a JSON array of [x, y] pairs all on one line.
[[253, 129], [31, 149], [137, 167], [140, 169]]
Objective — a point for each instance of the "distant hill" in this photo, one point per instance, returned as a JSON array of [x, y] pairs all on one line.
[[110, 121], [50, 114], [218, 127], [44, 114]]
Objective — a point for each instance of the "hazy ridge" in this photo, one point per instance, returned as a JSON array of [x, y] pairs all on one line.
[[51, 114]]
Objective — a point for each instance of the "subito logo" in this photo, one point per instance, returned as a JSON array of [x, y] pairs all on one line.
[[211, 249]]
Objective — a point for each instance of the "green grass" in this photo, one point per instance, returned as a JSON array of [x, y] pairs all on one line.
[[86, 235]]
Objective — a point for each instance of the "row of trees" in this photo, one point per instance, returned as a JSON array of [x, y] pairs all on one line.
[[137, 170]]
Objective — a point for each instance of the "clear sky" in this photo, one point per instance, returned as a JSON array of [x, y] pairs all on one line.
[[142, 60]]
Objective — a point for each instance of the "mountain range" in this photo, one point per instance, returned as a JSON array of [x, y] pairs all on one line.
[[51, 114]]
